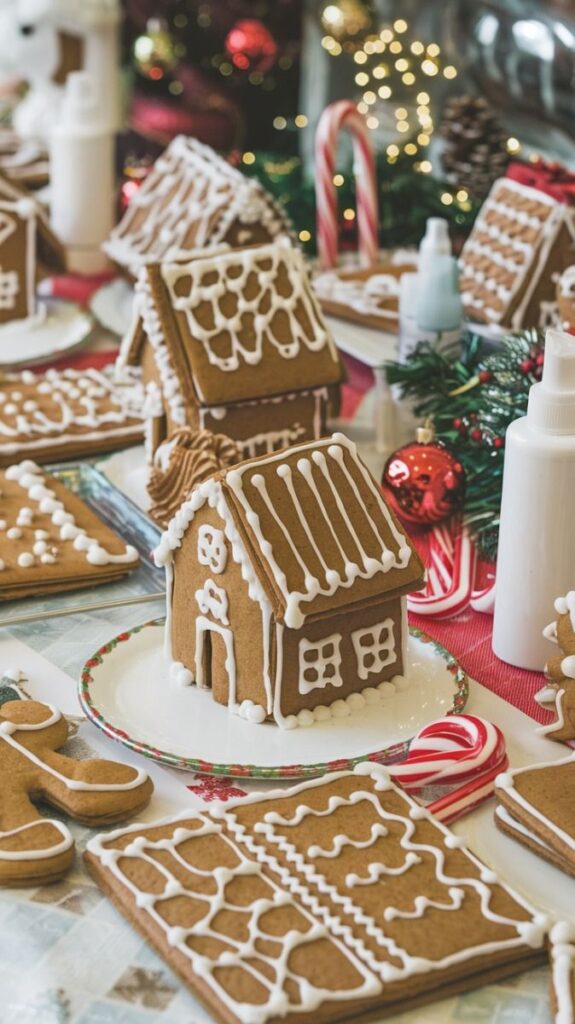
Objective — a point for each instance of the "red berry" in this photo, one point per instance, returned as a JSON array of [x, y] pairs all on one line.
[[457, 423], [476, 435], [540, 359], [527, 366], [484, 376], [498, 442]]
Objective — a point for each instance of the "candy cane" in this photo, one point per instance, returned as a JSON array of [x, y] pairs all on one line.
[[337, 116], [450, 576], [462, 751]]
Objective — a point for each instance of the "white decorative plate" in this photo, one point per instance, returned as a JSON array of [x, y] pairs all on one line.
[[126, 691], [65, 326], [112, 305]]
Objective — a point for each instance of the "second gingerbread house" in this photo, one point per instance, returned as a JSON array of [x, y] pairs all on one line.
[[286, 579], [522, 241], [234, 343], [193, 199]]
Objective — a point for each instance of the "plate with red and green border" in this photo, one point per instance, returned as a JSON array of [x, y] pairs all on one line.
[[125, 690]]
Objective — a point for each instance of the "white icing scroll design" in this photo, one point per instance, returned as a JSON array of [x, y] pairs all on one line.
[[212, 549], [213, 600]]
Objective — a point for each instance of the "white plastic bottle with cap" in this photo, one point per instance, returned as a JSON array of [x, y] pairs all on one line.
[[82, 176], [536, 556], [429, 301]]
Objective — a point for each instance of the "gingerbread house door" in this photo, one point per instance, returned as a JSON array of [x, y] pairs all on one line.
[[215, 660]]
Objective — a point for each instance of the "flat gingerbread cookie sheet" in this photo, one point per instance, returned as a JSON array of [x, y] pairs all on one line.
[[65, 414], [50, 540], [339, 899]]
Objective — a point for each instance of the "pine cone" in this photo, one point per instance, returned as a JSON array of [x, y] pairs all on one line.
[[475, 152]]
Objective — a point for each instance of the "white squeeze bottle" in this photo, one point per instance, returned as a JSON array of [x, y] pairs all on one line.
[[536, 556], [82, 175]]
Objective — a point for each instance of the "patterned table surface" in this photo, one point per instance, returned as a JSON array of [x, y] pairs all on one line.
[[66, 955]]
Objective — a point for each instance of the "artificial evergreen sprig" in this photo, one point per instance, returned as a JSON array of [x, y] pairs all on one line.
[[472, 393]]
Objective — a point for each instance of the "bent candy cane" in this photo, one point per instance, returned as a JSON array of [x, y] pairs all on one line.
[[463, 752], [449, 577], [337, 116]]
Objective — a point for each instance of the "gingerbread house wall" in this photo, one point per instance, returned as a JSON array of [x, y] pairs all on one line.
[[539, 289], [350, 641], [243, 633], [17, 264], [264, 426]]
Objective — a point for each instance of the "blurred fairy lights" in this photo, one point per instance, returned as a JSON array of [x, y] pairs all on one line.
[[397, 71]]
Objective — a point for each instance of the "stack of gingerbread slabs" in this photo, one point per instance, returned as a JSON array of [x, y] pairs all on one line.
[[50, 540], [336, 900], [536, 806], [65, 414]]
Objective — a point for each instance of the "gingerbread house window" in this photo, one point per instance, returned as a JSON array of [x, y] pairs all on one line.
[[212, 548], [319, 663], [213, 600], [374, 648]]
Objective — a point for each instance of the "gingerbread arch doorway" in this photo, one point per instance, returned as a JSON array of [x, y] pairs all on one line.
[[215, 660]]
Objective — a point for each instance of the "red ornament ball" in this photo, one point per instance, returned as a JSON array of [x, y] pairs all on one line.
[[251, 46], [423, 483]]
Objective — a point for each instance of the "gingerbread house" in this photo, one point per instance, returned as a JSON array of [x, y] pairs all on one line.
[[286, 584], [28, 250], [193, 199], [235, 343], [522, 240]]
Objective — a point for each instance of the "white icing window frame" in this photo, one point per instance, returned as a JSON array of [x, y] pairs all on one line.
[[212, 549], [320, 663], [383, 651]]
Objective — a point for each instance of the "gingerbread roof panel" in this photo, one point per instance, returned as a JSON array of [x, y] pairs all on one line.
[[515, 224], [320, 534], [192, 199], [245, 324]]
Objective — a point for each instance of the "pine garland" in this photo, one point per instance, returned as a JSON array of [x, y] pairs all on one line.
[[472, 393]]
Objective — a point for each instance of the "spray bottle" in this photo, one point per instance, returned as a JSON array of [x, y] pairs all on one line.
[[536, 557]]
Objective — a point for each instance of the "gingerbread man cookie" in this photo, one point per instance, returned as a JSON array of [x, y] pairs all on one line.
[[33, 849], [560, 669]]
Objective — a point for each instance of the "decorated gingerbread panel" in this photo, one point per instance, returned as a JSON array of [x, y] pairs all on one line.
[[320, 903], [247, 324], [267, 425], [331, 658], [64, 413]]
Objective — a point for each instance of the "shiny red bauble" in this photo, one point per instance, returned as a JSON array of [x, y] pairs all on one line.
[[423, 483], [251, 46]]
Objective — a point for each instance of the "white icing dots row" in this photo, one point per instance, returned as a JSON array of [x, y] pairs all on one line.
[[344, 707], [29, 476]]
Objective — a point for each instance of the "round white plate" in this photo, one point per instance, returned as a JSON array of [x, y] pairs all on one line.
[[112, 305], [126, 691], [65, 326]]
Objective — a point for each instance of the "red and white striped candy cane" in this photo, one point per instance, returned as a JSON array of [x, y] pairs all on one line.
[[449, 577], [460, 750], [337, 116]]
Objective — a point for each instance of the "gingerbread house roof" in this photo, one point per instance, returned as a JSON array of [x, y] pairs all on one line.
[[509, 246], [190, 200], [309, 527], [17, 199], [243, 324]]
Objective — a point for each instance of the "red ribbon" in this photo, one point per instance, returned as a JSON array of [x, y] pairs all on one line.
[[552, 178]]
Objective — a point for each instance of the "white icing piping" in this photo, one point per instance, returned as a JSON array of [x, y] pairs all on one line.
[[42, 853], [32, 480], [563, 970], [529, 932], [268, 262], [278, 1002]]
